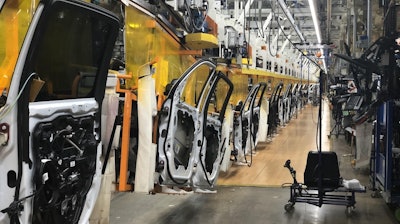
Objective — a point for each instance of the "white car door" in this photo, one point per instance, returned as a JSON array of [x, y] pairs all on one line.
[[53, 110], [255, 124], [183, 120], [211, 154], [273, 116], [247, 122]]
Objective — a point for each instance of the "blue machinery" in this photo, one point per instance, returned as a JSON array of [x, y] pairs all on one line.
[[385, 159], [377, 77]]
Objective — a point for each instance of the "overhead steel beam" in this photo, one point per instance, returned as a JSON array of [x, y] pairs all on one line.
[[267, 21], [369, 20], [313, 46], [284, 45], [290, 18], [272, 44], [244, 12]]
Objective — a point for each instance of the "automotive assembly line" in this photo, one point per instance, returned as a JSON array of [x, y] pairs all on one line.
[[187, 101]]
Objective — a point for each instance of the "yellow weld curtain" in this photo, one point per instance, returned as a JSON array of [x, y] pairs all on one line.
[[14, 21], [145, 40]]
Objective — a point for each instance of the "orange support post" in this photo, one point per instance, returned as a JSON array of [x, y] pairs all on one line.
[[126, 131], [126, 126]]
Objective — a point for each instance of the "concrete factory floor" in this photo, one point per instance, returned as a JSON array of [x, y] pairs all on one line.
[[256, 195]]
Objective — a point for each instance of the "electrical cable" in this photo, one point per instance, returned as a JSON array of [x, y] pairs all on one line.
[[317, 132], [122, 11], [308, 57], [5, 111], [260, 30], [15, 206], [194, 23], [8, 108], [320, 190], [187, 18], [269, 32], [277, 20], [244, 27], [269, 44], [199, 28], [252, 143], [253, 95], [250, 162], [247, 47]]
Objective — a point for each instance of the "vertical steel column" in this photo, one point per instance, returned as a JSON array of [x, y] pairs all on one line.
[[354, 28], [320, 187], [369, 21], [126, 126]]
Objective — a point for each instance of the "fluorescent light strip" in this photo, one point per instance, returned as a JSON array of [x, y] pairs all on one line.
[[315, 20], [317, 31]]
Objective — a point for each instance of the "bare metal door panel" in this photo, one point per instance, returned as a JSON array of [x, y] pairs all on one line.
[[247, 122], [185, 121]]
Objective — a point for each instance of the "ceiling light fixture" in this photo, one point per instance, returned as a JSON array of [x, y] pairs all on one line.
[[315, 20], [317, 31]]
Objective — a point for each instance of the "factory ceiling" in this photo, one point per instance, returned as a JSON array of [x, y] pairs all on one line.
[[341, 22], [336, 27]]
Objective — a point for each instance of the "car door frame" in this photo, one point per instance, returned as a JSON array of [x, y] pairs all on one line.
[[202, 178], [16, 154], [180, 176]]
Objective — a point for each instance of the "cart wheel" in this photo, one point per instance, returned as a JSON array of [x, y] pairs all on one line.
[[289, 207], [397, 214], [350, 210], [375, 194]]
